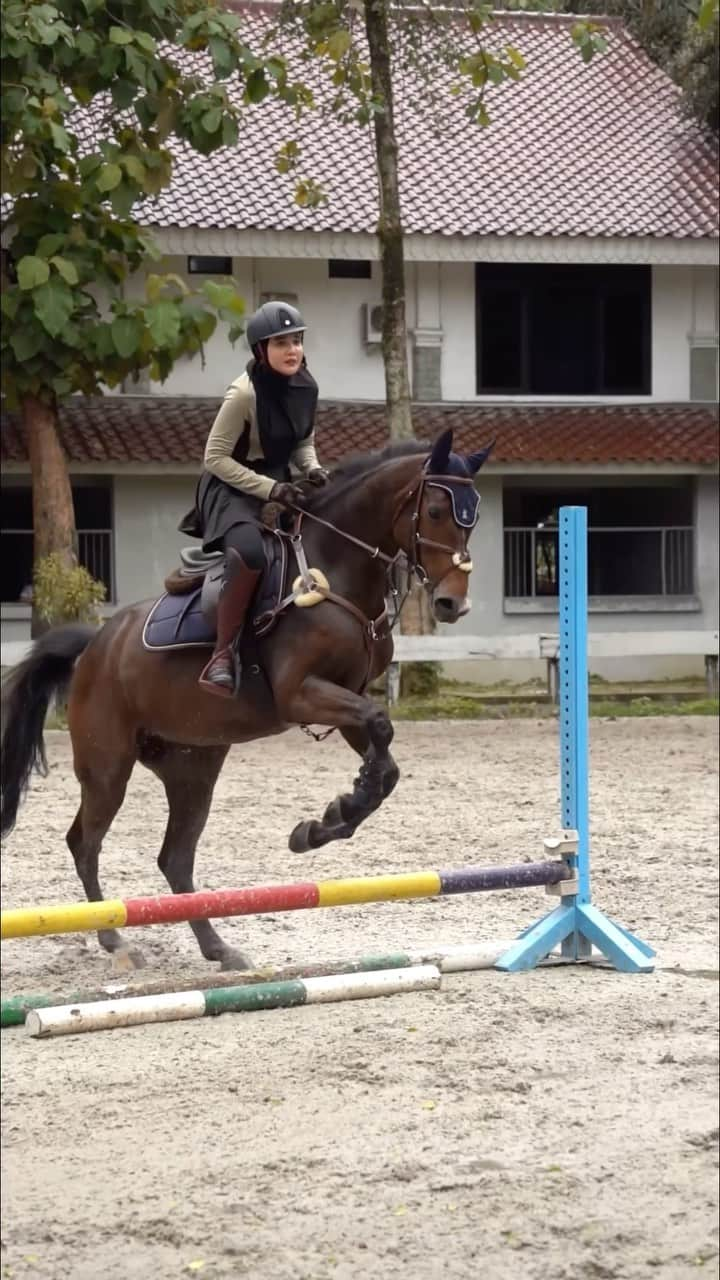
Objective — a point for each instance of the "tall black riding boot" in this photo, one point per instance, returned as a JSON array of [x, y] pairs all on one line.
[[237, 592]]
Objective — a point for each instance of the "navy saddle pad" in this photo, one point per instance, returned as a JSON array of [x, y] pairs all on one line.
[[178, 622]]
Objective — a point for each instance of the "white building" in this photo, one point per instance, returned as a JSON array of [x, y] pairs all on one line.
[[562, 292]]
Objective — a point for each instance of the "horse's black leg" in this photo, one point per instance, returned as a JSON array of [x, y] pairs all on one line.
[[369, 731], [103, 785], [353, 807], [188, 775]]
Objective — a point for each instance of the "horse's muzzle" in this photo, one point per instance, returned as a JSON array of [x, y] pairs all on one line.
[[449, 608]]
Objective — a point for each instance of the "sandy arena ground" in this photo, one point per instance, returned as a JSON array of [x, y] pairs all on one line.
[[549, 1126]]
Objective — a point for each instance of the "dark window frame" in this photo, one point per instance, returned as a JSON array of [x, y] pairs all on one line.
[[208, 265], [84, 526], [528, 282], [349, 269]]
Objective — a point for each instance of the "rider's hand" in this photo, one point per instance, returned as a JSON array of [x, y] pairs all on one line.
[[288, 495], [318, 476]]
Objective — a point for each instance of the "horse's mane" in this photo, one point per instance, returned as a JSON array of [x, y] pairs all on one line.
[[354, 468]]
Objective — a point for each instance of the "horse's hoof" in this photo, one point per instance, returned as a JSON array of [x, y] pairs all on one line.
[[126, 959], [234, 961], [299, 841]]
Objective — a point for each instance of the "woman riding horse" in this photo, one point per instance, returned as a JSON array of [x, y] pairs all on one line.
[[264, 429]]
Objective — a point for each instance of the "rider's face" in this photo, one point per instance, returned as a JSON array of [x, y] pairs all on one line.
[[285, 353]]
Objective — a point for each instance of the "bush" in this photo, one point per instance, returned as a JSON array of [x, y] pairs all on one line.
[[64, 593], [420, 679]]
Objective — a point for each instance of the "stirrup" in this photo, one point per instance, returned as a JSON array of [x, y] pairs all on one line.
[[220, 687]]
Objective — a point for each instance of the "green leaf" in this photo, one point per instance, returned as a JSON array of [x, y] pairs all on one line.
[[126, 332], [224, 60], [123, 93], [145, 41], [515, 57], [211, 120], [229, 132], [26, 342], [256, 87], [32, 271], [88, 165], [48, 245], [110, 177], [707, 14], [222, 296], [122, 200], [134, 168], [120, 35], [67, 270], [53, 304], [338, 44], [60, 137], [163, 319]]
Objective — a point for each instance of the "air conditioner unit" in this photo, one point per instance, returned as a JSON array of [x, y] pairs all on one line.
[[372, 322]]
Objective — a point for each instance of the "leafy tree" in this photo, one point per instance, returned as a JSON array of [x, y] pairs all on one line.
[[70, 323]]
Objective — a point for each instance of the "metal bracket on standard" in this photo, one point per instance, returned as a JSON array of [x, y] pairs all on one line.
[[576, 926]]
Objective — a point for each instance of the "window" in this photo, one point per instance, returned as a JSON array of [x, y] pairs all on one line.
[[546, 330], [640, 540], [349, 269], [93, 519], [198, 266]]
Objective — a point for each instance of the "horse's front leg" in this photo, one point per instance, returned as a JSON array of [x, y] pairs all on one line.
[[367, 728]]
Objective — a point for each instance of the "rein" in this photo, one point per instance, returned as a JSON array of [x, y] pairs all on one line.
[[381, 627]]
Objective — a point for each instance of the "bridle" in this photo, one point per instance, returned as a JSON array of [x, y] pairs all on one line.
[[380, 628], [460, 559], [413, 565]]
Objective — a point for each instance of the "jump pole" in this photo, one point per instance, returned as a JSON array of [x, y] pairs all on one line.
[[454, 958], [104, 1015], [84, 917], [575, 925]]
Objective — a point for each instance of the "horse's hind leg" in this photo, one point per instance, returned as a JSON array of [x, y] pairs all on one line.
[[103, 780], [188, 775]]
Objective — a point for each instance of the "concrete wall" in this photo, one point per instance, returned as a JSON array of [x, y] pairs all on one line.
[[147, 512], [148, 508], [492, 616], [441, 306]]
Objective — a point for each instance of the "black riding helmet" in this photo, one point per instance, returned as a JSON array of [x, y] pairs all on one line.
[[271, 320]]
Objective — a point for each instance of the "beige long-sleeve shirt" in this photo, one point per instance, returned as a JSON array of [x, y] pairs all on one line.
[[237, 411]]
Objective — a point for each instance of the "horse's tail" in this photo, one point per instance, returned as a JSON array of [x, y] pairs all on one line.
[[26, 694]]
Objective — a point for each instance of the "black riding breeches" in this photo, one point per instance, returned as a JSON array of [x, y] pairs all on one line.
[[247, 540]]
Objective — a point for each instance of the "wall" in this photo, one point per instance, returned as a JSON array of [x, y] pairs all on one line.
[[441, 304], [343, 366], [488, 615], [147, 512], [683, 302]]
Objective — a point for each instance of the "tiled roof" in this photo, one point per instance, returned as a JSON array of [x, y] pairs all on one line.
[[172, 430], [595, 150]]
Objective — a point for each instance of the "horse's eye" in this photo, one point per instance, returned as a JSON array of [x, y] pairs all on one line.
[[435, 513]]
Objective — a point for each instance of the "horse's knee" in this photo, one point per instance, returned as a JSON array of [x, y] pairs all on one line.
[[380, 730]]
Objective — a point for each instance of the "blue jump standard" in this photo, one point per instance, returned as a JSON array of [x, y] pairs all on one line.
[[576, 925]]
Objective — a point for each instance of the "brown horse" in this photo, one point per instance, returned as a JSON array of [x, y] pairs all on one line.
[[126, 704]]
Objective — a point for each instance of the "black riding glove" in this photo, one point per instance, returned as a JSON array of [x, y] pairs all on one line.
[[287, 495], [318, 476]]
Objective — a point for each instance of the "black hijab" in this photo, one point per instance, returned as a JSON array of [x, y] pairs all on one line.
[[285, 409]]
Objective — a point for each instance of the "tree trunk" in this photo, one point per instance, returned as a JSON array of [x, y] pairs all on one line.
[[389, 230], [53, 512], [416, 617]]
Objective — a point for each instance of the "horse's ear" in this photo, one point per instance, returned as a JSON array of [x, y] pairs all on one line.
[[440, 456], [476, 460]]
